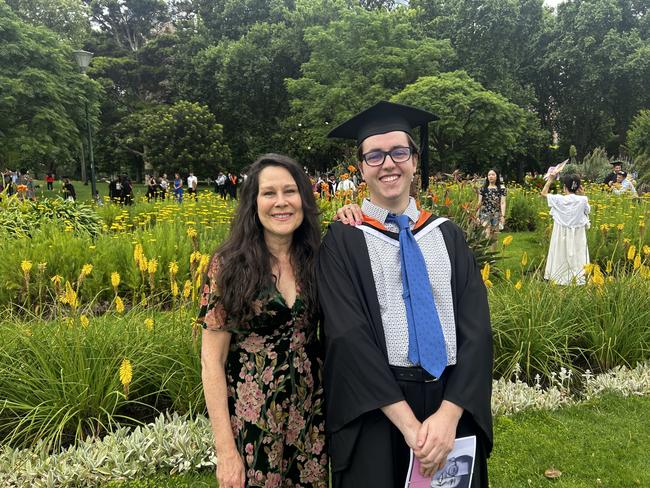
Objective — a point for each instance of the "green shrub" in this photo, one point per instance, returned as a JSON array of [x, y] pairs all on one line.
[[522, 211], [541, 327], [60, 381], [25, 218]]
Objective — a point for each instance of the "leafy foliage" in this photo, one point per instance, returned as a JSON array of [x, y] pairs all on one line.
[[184, 137], [364, 57], [639, 144], [24, 218], [42, 94], [476, 126], [521, 213]]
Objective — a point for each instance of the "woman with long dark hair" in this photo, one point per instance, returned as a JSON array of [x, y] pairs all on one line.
[[261, 363], [492, 204]]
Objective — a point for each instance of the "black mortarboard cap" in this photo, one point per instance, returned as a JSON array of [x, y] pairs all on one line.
[[381, 118]]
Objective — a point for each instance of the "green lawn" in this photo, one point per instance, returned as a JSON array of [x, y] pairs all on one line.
[[510, 257], [605, 440]]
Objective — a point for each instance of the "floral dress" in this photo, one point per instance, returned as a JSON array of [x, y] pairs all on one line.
[[490, 212], [275, 397]]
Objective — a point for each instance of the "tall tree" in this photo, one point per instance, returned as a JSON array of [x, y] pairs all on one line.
[[362, 58], [243, 84], [231, 19], [68, 18], [477, 128], [42, 95], [130, 22], [599, 64]]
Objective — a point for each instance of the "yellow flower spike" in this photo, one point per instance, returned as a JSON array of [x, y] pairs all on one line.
[[507, 241], [119, 305], [485, 272], [187, 289], [508, 273], [203, 264], [126, 375], [518, 285], [174, 288], [173, 268], [143, 264], [646, 250], [56, 279], [598, 279], [26, 266], [86, 269], [84, 321], [152, 266], [620, 226], [488, 284], [191, 232], [609, 267], [70, 296], [148, 323], [637, 261], [42, 266], [138, 253], [524, 259], [115, 279], [195, 257], [631, 252]]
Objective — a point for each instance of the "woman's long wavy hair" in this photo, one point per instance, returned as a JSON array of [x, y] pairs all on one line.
[[244, 258]]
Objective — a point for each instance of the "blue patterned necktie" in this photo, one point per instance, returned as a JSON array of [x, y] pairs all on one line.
[[426, 340]]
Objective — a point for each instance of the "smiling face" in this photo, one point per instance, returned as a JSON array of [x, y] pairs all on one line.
[[279, 206], [389, 183]]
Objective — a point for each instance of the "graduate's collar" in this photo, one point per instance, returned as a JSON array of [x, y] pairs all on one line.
[[380, 214]]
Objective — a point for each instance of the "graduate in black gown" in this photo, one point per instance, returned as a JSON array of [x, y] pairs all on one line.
[[610, 179], [378, 402]]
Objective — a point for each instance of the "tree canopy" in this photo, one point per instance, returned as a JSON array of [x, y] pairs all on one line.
[[517, 84], [42, 95]]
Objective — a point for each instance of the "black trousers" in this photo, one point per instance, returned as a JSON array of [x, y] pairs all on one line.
[[381, 456]]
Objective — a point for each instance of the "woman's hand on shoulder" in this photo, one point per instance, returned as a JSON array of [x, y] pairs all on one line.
[[230, 470], [350, 214]]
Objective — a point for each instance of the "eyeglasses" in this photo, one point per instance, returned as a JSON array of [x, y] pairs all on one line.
[[397, 154]]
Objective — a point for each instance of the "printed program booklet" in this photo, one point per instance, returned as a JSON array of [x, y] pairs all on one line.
[[457, 473]]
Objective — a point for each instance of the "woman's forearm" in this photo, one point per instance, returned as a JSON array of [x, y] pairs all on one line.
[[547, 186], [216, 400]]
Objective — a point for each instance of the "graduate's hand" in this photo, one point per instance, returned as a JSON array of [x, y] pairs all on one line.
[[436, 437], [230, 470], [411, 435], [350, 214]]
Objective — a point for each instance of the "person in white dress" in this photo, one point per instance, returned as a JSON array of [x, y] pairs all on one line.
[[568, 252]]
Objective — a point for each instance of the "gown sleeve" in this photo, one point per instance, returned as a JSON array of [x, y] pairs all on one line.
[[212, 315], [357, 376], [469, 384]]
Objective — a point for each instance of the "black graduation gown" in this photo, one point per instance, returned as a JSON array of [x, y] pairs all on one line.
[[357, 377], [610, 178]]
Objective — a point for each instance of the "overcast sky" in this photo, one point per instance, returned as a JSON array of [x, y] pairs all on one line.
[[552, 3]]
